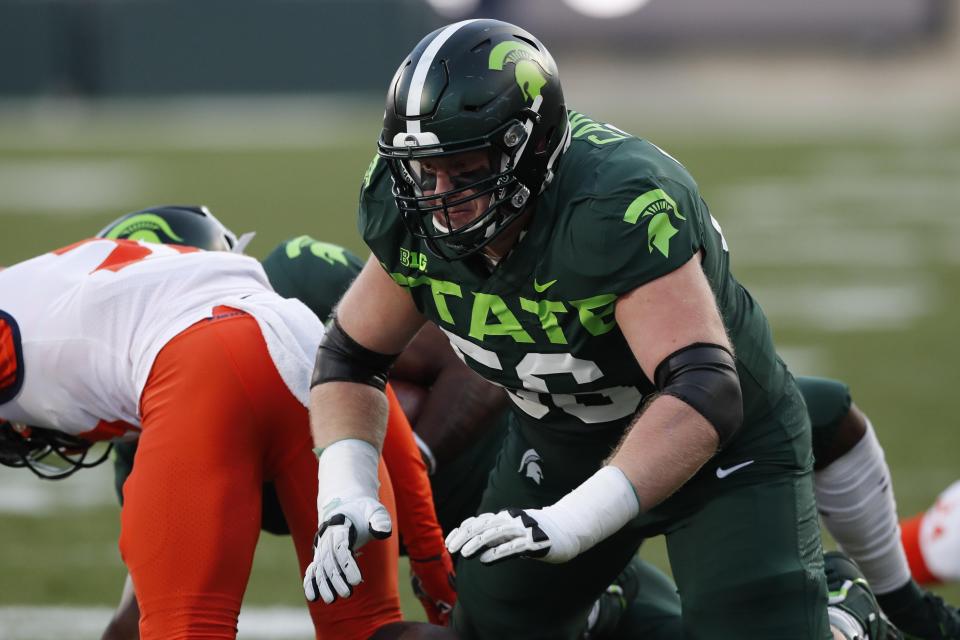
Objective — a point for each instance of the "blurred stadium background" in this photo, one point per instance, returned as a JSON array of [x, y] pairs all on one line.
[[825, 136]]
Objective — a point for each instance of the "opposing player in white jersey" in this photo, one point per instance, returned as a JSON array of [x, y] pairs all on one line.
[[193, 353], [932, 539]]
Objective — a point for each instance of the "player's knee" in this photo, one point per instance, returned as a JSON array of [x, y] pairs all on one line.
[[850, 430], [359, 616], [786, 604]]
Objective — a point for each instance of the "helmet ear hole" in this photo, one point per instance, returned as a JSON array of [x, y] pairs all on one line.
[[485, 44], [530, 41], [546, 141]]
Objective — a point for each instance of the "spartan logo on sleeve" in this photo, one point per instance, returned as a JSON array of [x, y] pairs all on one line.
[[529, 70], [658, 207], [148, 227]]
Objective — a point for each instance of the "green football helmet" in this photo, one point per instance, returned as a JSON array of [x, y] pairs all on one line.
[[187, 225], [477, 87]]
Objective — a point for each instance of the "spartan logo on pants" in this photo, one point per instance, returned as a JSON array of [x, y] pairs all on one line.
[[530, 465]]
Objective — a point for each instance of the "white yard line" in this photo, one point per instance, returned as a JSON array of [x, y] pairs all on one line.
[[23, 493], [846, 308], [87, 623], [197, 123], [60, 186], [806, 360]]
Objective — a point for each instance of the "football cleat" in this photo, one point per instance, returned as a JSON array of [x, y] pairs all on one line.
[[610, 607], [853, 609], [920, 614]]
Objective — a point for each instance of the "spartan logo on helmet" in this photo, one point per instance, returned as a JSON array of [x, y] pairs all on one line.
[[188, 225], [529, 71], [148, 227]]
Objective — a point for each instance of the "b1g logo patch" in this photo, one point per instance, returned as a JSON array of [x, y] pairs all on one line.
[[659, 207], [413, 260]]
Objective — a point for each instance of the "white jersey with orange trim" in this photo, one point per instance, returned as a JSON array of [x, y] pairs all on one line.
[[91, 318], [940, 535]]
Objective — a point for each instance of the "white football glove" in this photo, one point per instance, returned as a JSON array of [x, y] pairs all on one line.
[[334, 570], [592, 512], [514, 533], [350, 516]]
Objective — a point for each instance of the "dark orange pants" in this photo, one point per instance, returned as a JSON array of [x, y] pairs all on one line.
[[218, 421]]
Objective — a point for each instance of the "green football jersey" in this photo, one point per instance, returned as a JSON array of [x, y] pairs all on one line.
[[619, 213], [317, 273]]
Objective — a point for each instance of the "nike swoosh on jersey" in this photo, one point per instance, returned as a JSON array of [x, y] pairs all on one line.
[[540, 288], [723, 473]]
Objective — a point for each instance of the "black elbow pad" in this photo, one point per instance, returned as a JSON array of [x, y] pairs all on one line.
[[341, 358], [705, 377]]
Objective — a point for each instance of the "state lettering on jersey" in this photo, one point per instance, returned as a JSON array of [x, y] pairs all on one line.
[[491, 315], [531, 346], [619, 214]]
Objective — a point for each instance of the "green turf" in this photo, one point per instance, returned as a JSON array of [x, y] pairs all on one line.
[[872, 222]]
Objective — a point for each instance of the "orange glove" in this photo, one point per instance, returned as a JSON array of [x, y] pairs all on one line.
[[433, 575], [434, 583]]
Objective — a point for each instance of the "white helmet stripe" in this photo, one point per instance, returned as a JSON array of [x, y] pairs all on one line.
[[415, 93]]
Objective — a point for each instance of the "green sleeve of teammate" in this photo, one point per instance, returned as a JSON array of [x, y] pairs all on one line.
[[317, 273]]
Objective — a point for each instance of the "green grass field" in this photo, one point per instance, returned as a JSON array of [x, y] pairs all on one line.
[[852, 245]]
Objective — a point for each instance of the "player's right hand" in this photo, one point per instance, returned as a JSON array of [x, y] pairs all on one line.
[[513, 533], [334, 571]]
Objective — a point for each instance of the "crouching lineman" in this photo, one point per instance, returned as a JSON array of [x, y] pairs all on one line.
[[551, 249], [193, 353], [328, 269]]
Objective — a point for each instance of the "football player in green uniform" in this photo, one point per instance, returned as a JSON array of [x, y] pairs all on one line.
[[854, 494], [577, 267]]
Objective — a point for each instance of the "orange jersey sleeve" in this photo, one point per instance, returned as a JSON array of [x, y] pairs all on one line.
[[417, 518]]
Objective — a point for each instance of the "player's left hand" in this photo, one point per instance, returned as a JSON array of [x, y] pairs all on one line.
[[513, 533], [434, 583], [334, 571]]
